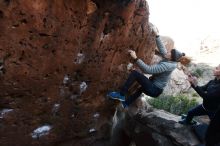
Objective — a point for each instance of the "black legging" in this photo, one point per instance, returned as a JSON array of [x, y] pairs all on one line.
[[147, 87], [198, 111]]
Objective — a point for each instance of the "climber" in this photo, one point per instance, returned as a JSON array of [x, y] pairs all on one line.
[[210, 94], [161, 72]]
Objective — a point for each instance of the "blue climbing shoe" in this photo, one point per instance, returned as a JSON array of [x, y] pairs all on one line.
[[116, 96], [124, 104]]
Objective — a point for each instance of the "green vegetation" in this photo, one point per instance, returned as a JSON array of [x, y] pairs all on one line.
[[195, 94], [174, 104], [198, 72]]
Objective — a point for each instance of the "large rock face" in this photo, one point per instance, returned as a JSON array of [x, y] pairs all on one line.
[[153, 128], [58, 60], [178, 83]]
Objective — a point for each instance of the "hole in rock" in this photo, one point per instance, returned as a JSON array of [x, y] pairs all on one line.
[[1, 14], [23, 21]]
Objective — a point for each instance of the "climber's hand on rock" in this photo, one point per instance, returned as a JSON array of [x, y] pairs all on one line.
[[132, 54]]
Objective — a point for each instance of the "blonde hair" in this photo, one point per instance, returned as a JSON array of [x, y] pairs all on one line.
[[185, 60]]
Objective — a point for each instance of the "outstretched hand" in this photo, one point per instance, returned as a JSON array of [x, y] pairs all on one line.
[[132, 54], [193, 80]]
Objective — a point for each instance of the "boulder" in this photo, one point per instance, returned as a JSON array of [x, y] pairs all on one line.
[[151, 127], [68, 53]]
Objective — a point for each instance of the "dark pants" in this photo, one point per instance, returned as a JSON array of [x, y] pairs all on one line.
[[147, 87], [213, 133], [198, 111]]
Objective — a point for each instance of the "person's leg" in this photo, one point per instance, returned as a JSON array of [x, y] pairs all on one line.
[[211, 114], [152, 91], [213, 133], [148, 87], [197, 111], [133, 97], [129, 82]]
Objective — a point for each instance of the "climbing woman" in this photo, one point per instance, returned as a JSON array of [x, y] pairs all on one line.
[[160, 72]]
